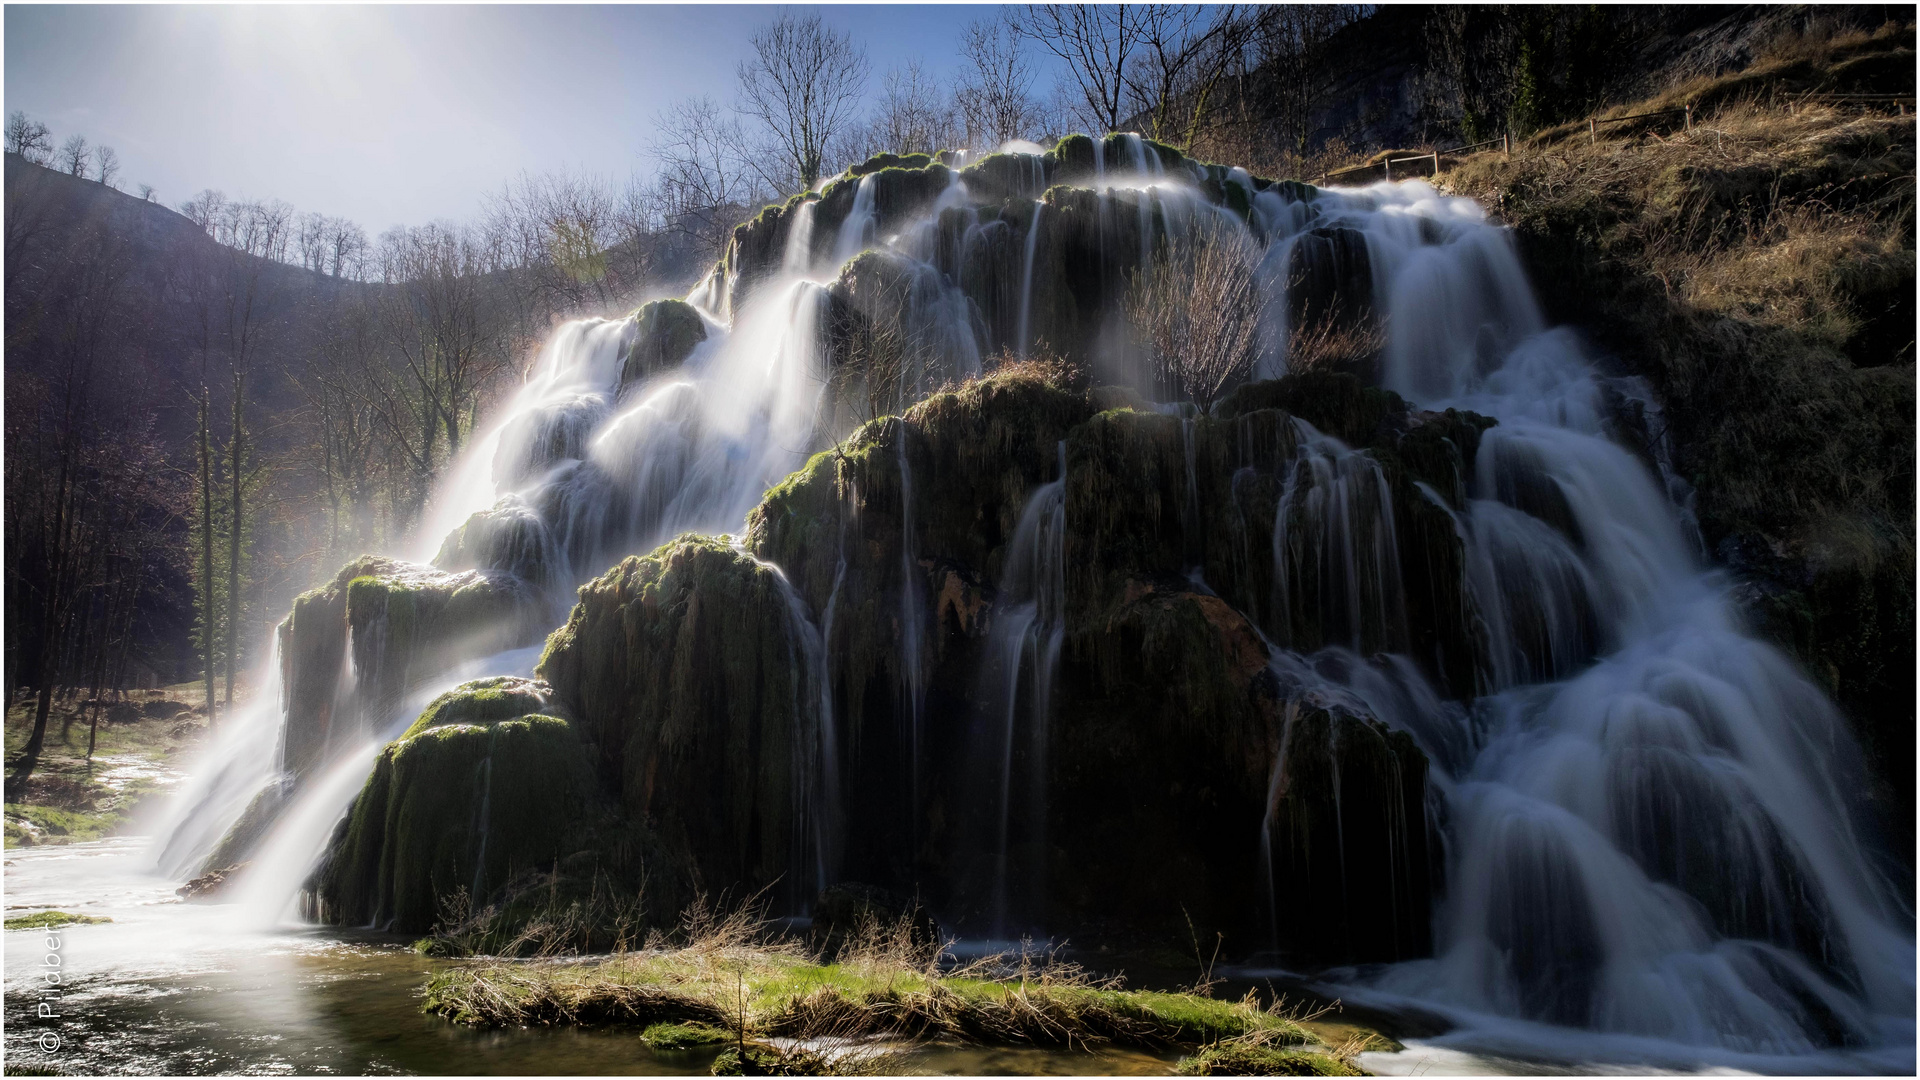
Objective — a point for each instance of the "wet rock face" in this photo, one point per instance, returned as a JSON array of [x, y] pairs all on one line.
[[1347, 840], [834, 700], [1332, 279], [479, 790], [666, 332], [1151, 784], [402, 623], [688, 684]]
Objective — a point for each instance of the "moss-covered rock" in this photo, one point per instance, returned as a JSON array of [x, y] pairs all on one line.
[[479, 790], [1001, 177], [743, 712], [404, 624], [665, 334], [482, 702], [1346, 840], [683, 1036], [757, 248], [689, 679], [890, 161], [509, 537], [1157, 498], [1330, 279]]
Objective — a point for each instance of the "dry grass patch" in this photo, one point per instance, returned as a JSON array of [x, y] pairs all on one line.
[[885, 989]]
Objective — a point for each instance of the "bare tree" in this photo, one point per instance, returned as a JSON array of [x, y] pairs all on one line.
[[106, 164], [73, 155], [994, 96], [1097, 42], [67, 476], [347, 249], [1290, 46], [560, 229], [911, 118], [452, 339], [310, 241], [28, 138], [146, 192], [1197, 308], [1185, 54], [803, 85], [206, 210], [705, 185]]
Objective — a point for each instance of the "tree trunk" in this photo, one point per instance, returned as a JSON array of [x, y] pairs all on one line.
[[235, 524], [30, 757], [210, 608]]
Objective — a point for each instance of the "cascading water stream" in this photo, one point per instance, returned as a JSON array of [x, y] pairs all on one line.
[[856, 232], [817, 816], [1025, 337], [912, 624], [1661, 843], [1023, 647], [1335, 552]]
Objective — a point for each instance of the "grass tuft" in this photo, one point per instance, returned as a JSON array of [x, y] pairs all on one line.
[[48, 920]]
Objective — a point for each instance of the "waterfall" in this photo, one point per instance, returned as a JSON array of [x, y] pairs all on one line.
[[856, 232], [1025, 339], [912, 624], [237, 766], [799, 251], [1336, 557], [816, 751], [1650, 819], [1651, 827], [1023, 649]]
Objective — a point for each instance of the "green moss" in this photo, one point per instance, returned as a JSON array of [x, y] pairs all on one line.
[[63, 826], [482, 702], [666, 332], [683, 1036], [1074, 155], [890, 161], [786, 996], [48, 920], [682, 667], [760, 1059], [406, 623], [458, 806], [1001, 177]]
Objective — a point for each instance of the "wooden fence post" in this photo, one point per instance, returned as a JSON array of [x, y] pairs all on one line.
[[1593, 137], [1387, 164], [1506, 144], [1436, 163], [1689, 116]]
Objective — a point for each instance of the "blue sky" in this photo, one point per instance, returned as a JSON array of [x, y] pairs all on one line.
[[393, 115]]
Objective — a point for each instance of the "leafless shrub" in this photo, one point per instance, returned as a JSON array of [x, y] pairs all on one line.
[[1196, 309], [1334, 344]]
